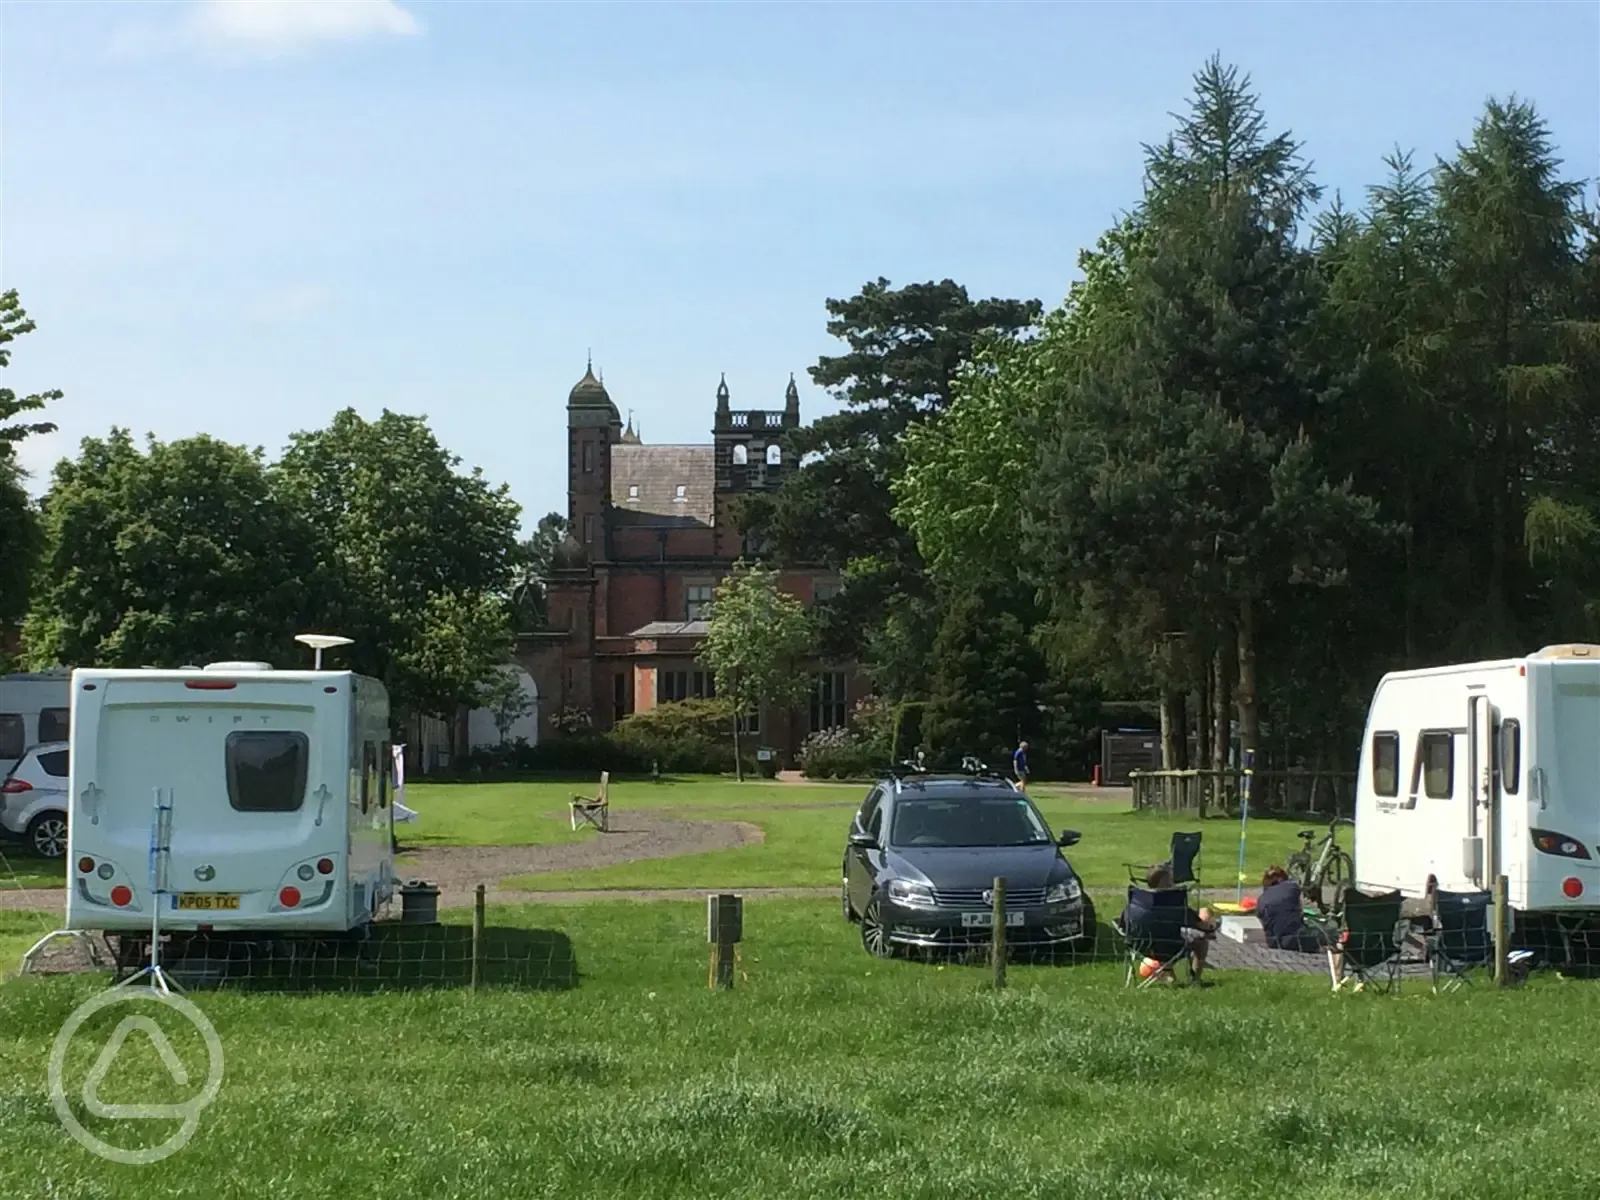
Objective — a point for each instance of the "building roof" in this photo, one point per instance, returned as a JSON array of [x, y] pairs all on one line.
[[645, 482], [589, 392], [657, 629]]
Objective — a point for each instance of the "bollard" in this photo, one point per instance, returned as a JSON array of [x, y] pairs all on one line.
[[724, 929], [997, 943], [1501, 931]]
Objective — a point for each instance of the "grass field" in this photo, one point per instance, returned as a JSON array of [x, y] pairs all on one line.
[[827, 1074], [803, 845]]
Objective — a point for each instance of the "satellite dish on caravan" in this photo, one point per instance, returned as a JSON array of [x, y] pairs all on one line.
[[320, 642]]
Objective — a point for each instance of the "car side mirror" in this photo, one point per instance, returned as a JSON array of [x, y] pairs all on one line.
[[1070, 837], [864, 840]]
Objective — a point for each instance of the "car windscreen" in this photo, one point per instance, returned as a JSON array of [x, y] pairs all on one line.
[[992, 820]]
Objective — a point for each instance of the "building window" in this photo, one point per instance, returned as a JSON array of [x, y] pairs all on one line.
[[774, 455], [750, 724], [824, 589], [588, 457], [697, 602], [619, 696], [1438, 764], [1386, 764], [633, 491], [741, 455], [680, 494], [828, 709], [588, 529], [672, 686]]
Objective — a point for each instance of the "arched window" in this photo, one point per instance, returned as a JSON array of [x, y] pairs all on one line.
[[741, 455], [774, 455]]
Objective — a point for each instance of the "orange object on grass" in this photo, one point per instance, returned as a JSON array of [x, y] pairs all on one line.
[[1249, 903], [1148, 968]]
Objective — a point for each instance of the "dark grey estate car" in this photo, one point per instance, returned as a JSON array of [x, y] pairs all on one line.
[[921, 860]]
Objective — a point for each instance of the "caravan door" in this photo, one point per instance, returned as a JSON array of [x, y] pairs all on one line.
[[1479, 840]]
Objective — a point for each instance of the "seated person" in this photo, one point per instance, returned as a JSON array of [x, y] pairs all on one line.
[[1282, 913], [1198, 930]]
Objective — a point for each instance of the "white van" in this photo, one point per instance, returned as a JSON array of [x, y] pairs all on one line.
[[279, 784], [34, 708], [1483, 769]]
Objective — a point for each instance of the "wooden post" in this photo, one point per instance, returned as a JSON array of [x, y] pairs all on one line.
[[997, 943], [477, 937], [1501, 930], [724, 928]]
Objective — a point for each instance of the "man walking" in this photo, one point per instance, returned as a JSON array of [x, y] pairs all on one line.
[[1019, 765]]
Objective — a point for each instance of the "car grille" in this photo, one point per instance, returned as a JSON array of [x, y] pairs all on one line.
[[973, 897]]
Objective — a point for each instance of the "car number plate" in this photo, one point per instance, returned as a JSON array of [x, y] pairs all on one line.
[[983, 920], [207, 901]]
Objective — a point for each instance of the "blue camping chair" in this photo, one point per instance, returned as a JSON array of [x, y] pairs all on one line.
[[1184, 860], [1152, 927]]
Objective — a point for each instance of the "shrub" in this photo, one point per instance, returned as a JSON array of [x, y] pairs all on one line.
[[684, 737], [839, 754]]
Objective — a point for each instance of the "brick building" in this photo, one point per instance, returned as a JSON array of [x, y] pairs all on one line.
[[653, 530]]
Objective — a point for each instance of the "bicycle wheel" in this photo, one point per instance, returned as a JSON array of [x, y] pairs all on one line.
[[1298, 867], [1340, 871]]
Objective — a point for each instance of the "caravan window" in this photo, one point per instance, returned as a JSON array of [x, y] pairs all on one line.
[[369, 774], [1386, 764], [13, 739], [385, 770], [1510, 756], [1438, 765], [267, 770], [54, 724]]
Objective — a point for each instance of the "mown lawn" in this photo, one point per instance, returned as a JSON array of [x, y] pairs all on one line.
[[826, 1074]]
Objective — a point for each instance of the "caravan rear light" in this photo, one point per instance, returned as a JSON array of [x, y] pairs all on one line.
[[12, 787], [121, 896], [85, 865], [325, 866], [210, 685], [1558, 844], [1571, 888], [106, 871], [289, 897]]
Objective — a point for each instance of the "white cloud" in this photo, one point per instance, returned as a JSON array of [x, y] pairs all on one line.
[[270, 27]]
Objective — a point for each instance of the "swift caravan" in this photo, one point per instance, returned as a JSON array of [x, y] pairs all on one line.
[[278, 784], [1478, 770]]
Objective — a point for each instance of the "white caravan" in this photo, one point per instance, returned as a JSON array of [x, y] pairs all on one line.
[[279, 785], [1473, 771], [33, 709]]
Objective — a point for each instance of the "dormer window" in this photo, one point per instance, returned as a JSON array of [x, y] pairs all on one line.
[[633, 491], [774, 455], [741, 455], [680, 494]]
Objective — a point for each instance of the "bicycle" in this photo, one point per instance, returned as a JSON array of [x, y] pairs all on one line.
[[1313, 867]]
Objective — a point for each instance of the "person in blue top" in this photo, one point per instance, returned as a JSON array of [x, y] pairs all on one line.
[[1282, 914], [1019, 764]]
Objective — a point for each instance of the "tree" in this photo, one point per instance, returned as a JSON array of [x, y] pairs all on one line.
[[905, 347], [503, 695], [531, 573], [179, 554], [758, 634], [20, 532], [423, 555], [986, 679]]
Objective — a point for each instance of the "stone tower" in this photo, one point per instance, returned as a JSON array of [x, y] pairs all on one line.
[[749, 457], [593, 427]]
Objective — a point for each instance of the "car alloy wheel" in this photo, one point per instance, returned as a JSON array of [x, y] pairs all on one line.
[[48, 835], [874, 936]]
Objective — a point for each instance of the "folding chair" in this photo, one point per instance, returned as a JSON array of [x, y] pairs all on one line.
[[596, 809], [1368, 947], [1460, 942], [1158, 934], [1184, 860]]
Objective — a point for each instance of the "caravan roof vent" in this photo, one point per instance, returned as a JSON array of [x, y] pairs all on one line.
[[1570, 650], [239, 666]]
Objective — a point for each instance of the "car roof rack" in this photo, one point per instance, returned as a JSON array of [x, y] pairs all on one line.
[[971, 768]]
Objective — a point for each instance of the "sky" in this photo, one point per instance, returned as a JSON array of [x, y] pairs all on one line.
[[238, 217]]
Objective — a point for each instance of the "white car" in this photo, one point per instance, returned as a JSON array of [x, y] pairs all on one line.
[[33, 800]]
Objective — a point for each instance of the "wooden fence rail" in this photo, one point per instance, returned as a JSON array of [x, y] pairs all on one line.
[[1289, 792]]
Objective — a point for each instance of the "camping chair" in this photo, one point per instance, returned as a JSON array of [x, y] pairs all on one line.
[[1184, 860], [1159, 935], [1460, 941], [1368, 949], [596, 809]]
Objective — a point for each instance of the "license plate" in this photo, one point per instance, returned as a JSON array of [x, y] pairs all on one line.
[[983, 920], [206, 902]]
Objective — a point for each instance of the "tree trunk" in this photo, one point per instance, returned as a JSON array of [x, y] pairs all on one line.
[[1220, 707], [1171, 729], [738, 762], [1249, 730]]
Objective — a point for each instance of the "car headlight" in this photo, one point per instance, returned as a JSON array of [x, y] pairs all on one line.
[[903, 891], [1064, 892]]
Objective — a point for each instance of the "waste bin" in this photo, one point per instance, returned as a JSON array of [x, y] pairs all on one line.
[[419, 903], [767, 762]]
